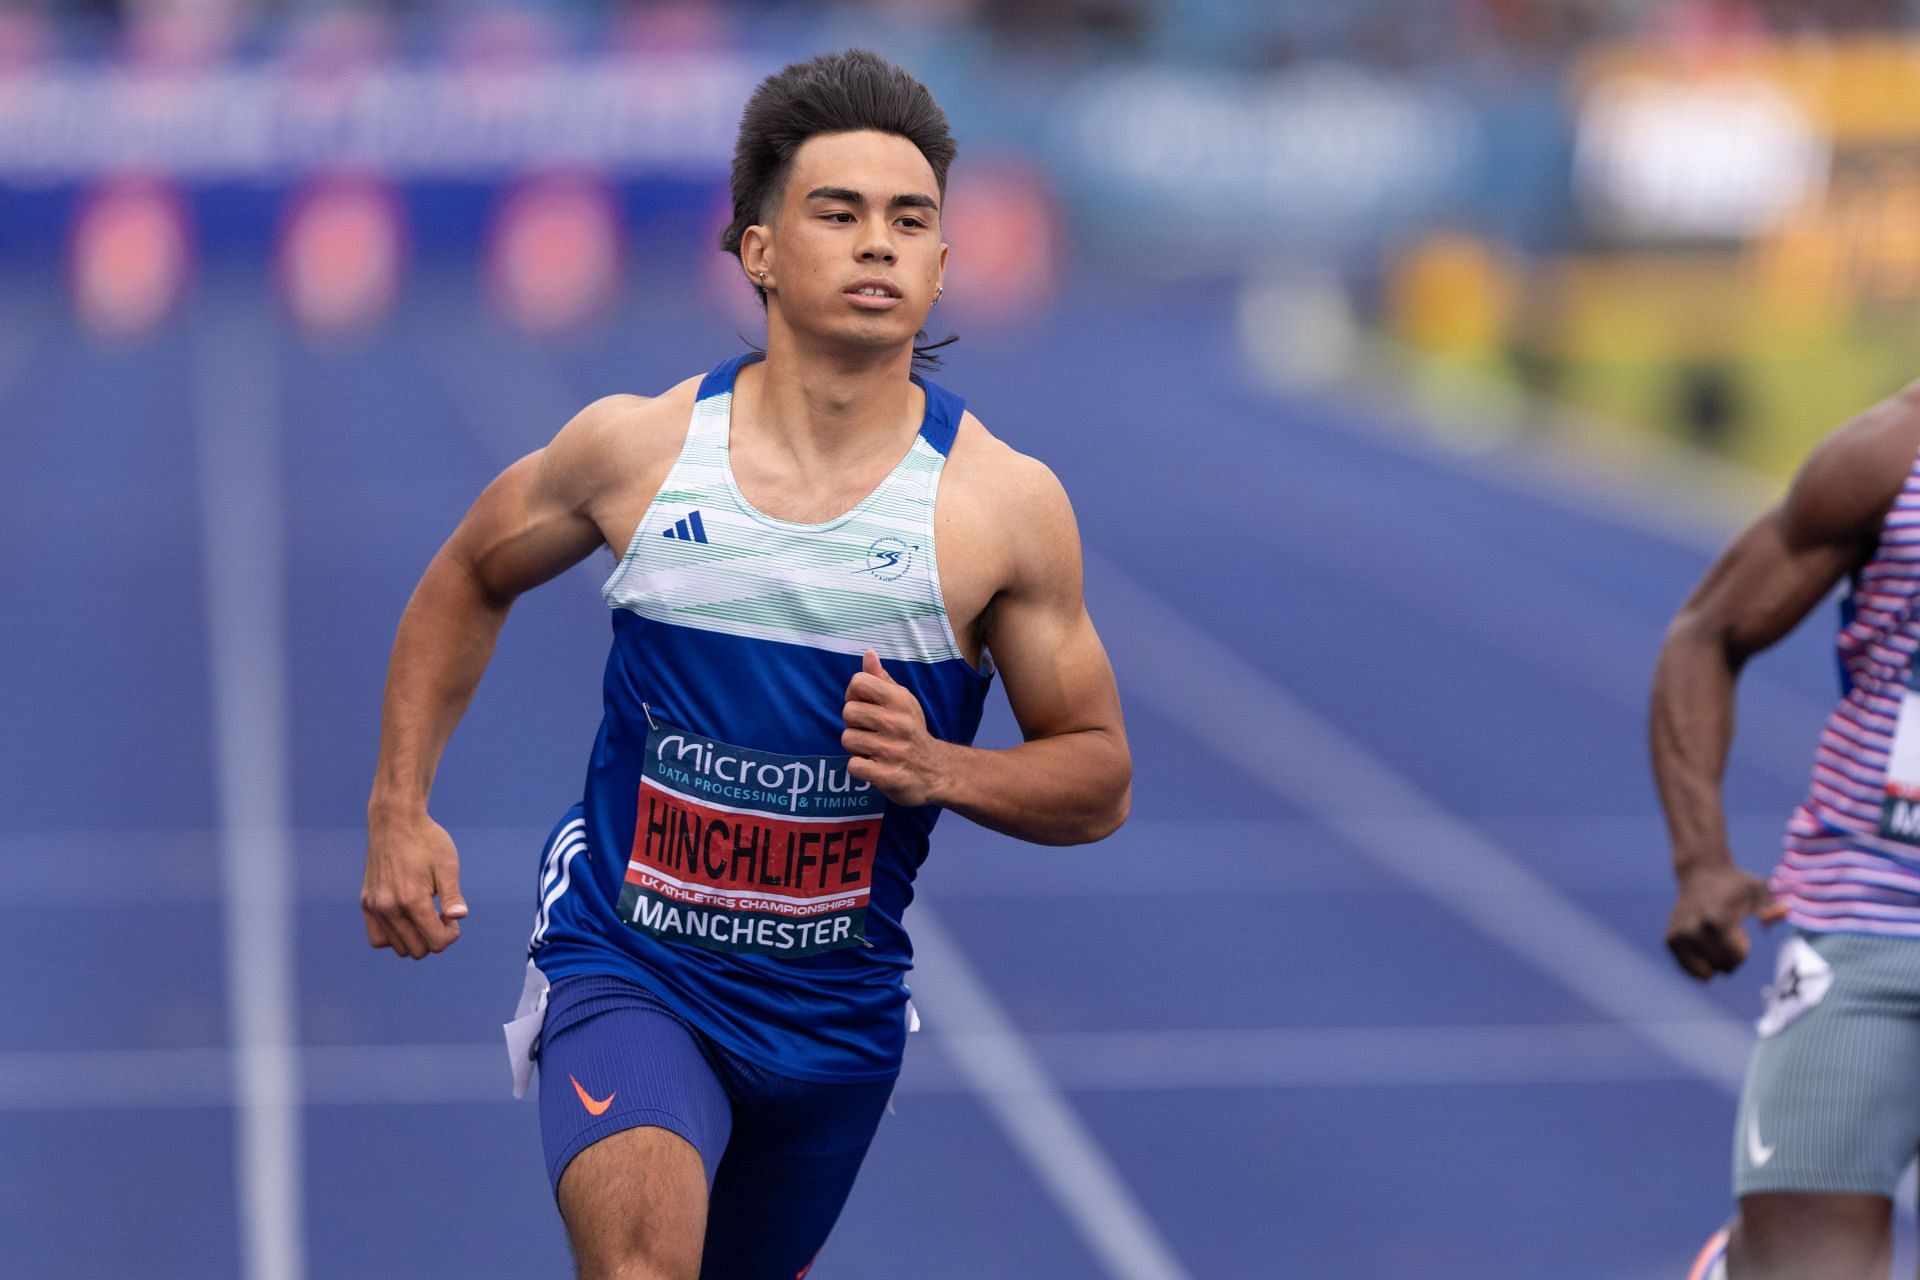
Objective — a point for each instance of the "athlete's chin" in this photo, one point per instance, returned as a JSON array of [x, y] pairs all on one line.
[[875, 334]]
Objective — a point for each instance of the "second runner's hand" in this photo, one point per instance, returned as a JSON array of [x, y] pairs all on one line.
[[1705, 932]]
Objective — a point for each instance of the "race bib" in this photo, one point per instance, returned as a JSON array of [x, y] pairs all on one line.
[[1900, 807], [749, 852]]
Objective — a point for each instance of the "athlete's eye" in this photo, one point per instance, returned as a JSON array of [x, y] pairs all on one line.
[[840, 214], [912, 222]]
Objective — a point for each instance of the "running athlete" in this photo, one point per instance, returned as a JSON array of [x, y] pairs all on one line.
[[822, 558], [1830, 1114]]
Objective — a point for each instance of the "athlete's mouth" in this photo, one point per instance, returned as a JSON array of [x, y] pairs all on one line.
[[874, 294]]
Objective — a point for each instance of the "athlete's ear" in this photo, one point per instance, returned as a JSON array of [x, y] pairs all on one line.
[[756, 254]]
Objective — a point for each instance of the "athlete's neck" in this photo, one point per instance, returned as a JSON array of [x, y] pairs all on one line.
[[828, 405]]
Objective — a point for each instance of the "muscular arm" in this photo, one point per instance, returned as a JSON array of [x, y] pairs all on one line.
[[1759, 589], [532, 523], [1070, 781]]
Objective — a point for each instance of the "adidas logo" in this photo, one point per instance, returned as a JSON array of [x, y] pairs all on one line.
[[687, 528]]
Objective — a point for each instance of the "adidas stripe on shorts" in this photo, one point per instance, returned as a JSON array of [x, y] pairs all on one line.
[[1832, 1096]]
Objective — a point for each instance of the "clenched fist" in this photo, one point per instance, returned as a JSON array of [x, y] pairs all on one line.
[[409, 862], [1705, 932], [887, 738]]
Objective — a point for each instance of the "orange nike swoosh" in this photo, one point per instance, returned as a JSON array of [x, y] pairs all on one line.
[[586, 1100]]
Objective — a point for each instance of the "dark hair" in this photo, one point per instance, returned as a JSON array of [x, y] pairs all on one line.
[[833, 93]]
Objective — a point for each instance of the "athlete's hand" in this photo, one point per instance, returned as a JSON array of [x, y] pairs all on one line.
[[1705, 932], [887, 737], [409, 861]]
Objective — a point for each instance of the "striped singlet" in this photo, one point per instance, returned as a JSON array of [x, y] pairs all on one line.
[[1852, 850], [723, 855]]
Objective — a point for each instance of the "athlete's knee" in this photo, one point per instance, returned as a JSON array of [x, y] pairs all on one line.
[[636, 1268], [1806, 1236], [631, 1251]]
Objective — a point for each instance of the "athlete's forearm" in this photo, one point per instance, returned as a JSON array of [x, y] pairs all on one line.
[[445, 640], [1072, 788], [1691, 728]]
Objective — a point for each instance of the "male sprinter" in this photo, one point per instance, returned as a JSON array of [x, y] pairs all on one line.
[[821, 560], [1831, 1110]]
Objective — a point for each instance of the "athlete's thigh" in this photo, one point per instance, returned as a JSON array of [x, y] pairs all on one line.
[[637, 1198], [795, 1153], [1831, 1105], [633, 1121]]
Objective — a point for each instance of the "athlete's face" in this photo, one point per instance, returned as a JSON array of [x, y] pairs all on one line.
[[854, 252]]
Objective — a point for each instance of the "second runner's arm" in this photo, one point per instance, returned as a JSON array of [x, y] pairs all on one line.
[[1760, 588], [529, 525]]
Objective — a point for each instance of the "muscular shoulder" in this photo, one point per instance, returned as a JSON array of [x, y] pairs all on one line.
[[618, 438], [1006, 484], [1849, 482], [1004, 499]]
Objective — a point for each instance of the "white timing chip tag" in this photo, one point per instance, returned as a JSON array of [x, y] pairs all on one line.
[[1800, 981], [524, 1031]]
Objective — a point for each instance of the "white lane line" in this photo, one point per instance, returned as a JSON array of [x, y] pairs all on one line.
[[1075, 1061], [1344, 1057], [1569, 631], [1229, 705], [1580, 462], [114, 1079], [238, 421], [994, 1058]]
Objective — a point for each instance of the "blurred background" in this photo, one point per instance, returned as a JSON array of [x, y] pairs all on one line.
[[1406, 361]]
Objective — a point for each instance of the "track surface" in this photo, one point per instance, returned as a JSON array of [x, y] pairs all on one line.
[[1300, 1056]]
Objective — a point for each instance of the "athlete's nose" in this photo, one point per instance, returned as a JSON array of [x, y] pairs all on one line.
[[877, 249]]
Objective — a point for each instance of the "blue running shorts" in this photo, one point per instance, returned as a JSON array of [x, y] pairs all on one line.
[[780, 1154]]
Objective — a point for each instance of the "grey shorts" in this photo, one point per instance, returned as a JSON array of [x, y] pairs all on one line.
[[1832, 1098]]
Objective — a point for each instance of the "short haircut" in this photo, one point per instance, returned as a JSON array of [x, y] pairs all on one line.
[[833, 93]]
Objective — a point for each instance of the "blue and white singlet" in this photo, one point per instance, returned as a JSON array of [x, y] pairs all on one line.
[[723, 856]]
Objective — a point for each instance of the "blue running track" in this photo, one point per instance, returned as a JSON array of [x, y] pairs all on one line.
[[1346, 998]]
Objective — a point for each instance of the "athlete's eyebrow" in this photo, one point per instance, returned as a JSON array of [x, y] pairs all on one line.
[[909, 200]]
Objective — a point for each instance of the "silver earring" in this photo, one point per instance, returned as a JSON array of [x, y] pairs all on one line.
[[938, 290], [763, 279]]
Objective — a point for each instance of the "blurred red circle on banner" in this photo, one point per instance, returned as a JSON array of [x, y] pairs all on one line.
[[1003, 221], [26, 45], [342, 242], [554, 252], [130, 255]]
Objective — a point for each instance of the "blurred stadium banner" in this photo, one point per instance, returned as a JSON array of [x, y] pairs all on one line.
[[1332, 157], [1748, 251], [1719, 240]]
